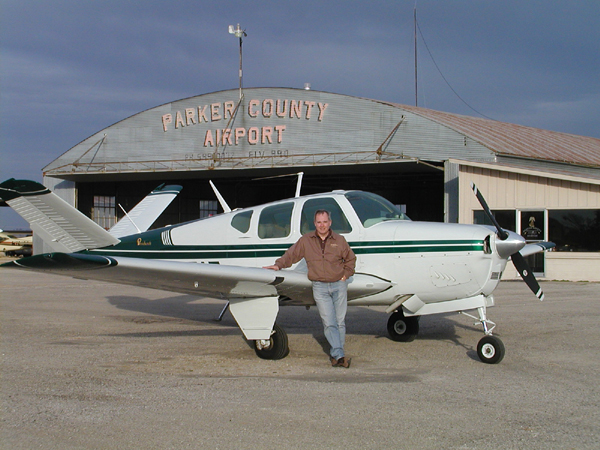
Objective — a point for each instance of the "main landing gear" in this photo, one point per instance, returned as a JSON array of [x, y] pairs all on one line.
[[401, 328], [276, 347]]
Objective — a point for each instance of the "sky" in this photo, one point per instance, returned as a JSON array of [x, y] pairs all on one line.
[[69, 69]]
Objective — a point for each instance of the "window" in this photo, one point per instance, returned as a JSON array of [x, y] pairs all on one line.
[[275, 221], [241, 221], [506, 218], [208, 208], [572, 230], [372, 209], [103, 211], [339, 222], [575, 230]]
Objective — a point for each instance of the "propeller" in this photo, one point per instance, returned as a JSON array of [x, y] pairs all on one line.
[[517, 258], [502, 234]]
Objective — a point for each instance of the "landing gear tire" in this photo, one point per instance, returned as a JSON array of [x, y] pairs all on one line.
[[402, 329], [276, 347], [490, 350]]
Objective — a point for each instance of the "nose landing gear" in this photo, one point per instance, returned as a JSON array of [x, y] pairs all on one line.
[[490, 349]]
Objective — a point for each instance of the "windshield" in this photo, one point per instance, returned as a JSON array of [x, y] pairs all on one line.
[[372, 208]]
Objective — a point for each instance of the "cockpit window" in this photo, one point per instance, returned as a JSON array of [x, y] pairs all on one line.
[[241, 221], [372, 208], [339, 223], [275, 221]]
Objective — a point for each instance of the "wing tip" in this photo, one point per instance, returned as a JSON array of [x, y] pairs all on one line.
[[12, 188]]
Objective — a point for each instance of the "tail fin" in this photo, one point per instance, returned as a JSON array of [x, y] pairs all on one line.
[[145, 213], [57, 223]]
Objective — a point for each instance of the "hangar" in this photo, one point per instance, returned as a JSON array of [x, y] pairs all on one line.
[[544, 184]]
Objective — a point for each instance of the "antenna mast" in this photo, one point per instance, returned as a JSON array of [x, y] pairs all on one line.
[[415, 25]]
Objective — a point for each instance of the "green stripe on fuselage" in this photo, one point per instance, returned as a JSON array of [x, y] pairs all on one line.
[[151, 249]]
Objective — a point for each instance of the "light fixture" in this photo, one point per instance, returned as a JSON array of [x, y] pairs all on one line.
[[239, 33]]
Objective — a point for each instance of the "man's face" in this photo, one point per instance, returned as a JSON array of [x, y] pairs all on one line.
[[322, 224]]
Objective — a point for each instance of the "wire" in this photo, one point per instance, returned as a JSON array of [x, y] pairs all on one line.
[[444, 78]]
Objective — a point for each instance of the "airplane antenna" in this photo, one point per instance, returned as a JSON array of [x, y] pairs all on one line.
[[127, 215], [222, 201], [299, 184]]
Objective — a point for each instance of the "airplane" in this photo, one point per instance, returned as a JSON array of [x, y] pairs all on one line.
[[15, 246], [412, 268]]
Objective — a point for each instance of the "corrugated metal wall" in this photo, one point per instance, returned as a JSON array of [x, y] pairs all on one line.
[[277, 128]]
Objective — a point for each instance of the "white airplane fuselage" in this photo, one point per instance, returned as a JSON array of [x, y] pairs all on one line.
[[436, 261]]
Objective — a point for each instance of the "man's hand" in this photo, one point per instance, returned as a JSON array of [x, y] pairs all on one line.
[[271, 267]]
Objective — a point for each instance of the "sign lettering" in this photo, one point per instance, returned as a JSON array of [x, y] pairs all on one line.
[[274, 109]]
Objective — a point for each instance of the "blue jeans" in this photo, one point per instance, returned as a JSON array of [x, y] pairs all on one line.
[[332, 303]]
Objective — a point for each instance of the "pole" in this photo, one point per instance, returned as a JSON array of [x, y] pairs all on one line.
[[239, 33], [416, 86], [240, 66]]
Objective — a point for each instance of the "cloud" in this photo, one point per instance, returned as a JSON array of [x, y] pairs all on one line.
[[72, 68]]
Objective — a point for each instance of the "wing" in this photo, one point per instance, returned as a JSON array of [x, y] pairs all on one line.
[[145, 213], [207, 280]]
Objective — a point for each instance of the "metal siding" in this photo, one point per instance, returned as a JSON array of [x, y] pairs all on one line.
[[451, 174], [350, 132], [522, 192], [553, 193]]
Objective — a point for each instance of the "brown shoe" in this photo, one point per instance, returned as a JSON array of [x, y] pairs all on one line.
[[334, 362], [344, 362]]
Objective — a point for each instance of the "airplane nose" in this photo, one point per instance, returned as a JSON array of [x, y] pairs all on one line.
[[511, 245]]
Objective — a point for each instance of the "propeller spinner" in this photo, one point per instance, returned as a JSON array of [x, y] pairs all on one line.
[[517, 258]]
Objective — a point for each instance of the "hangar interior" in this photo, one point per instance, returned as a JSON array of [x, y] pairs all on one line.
[[418, 189], [539, 182]]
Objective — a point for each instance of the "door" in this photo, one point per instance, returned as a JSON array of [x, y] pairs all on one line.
[[532, 225]]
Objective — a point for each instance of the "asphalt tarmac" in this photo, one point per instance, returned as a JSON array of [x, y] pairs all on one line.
[[90, 365]]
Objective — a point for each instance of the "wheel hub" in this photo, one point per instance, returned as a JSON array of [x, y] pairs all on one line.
[[263, 344], [488, 350], [400, 327]]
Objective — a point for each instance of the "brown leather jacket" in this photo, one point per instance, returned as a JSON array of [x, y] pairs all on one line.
[[329, 264]]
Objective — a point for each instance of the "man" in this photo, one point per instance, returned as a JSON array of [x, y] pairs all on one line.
[[330, 262]]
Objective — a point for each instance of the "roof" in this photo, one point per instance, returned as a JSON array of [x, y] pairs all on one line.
[[507, 139], [341, 130]]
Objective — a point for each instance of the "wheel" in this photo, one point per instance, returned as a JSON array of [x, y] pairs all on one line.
[[403, 329], [274, 348], [490, 350]]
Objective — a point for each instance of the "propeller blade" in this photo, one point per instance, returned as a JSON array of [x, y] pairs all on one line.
[[502, 234], [525, 272]]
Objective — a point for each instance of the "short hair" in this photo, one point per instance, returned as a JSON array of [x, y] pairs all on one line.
[[322, 211]]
